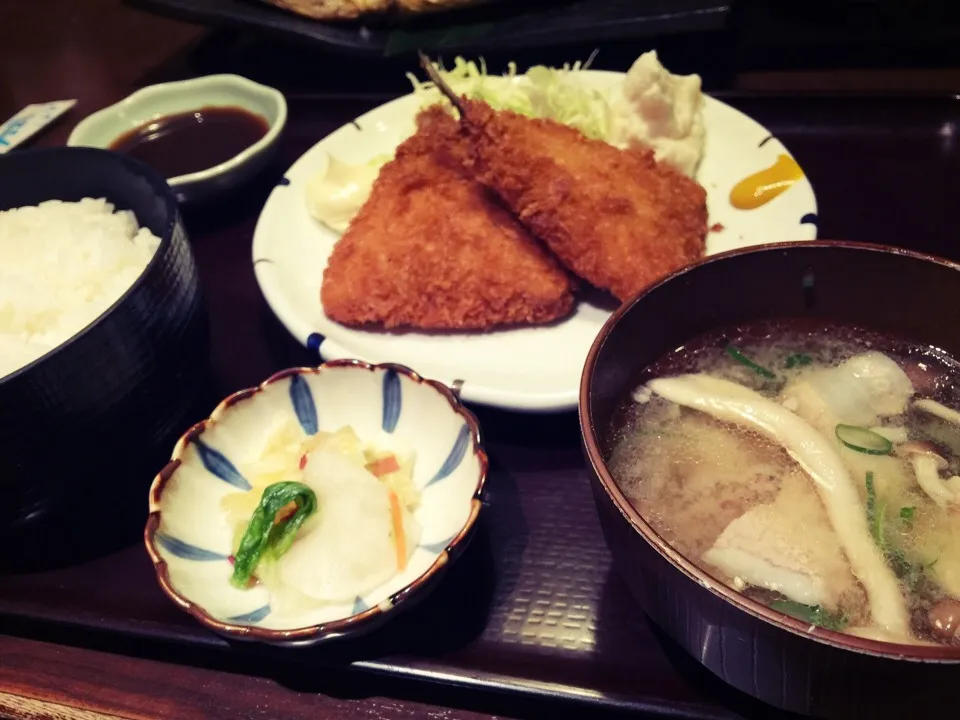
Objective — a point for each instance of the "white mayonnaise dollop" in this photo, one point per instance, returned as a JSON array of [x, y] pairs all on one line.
[[335, 195]]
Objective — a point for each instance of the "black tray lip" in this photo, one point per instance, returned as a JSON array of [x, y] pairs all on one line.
[[412, 668], [847, 97], [894, 97], [426, 669], [358, 39]]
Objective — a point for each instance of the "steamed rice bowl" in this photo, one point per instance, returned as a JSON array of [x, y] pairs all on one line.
[[62, 265]]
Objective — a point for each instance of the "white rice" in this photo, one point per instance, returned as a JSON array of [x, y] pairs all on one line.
[[62, 264]]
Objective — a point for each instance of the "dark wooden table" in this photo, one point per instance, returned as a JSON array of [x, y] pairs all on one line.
[[97, 52]]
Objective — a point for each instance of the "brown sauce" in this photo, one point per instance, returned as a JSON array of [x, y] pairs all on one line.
[[192, 141]]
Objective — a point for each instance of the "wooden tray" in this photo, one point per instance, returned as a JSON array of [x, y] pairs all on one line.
[[533, 609]]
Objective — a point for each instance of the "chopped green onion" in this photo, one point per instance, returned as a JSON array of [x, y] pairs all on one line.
[[893, 554], [863, 440], [798, 360], [263, 533], [898, 561], [812, 614], [909, 573], [906, 515], [738, 355], [874, 514]]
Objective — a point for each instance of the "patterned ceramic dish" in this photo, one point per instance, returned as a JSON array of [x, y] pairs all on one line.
[[189, 537]]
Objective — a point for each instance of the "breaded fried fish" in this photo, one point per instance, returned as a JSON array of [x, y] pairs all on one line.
[[350, 9], [616, 218], [434, 249]]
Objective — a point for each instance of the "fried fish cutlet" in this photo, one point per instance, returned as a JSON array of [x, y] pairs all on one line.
[[351, 9], [433, 249], [616, 218]]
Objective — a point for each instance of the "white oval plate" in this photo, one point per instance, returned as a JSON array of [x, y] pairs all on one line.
[[528, 369]]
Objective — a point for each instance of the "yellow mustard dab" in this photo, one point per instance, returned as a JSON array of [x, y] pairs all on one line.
[[763, 186]]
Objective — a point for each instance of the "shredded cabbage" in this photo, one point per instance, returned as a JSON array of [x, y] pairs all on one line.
[[555, 93]]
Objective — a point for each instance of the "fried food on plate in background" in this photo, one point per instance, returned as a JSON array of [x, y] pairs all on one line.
[[426, 6], [351, 9], [616, 218], [333, 9], [433, 249]]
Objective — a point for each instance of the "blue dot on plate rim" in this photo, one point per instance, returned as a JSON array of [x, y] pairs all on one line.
[[314, 340], [437, 547], [359, 606], [284, 181], [809, 218], [185, 550], [218, 464], [252, 617], [303, 404], [392, 400], [455, 457]]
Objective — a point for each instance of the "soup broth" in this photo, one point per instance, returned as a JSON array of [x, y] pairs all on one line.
[[812, 467]]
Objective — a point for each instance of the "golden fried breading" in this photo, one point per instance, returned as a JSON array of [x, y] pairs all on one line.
[[434, 249], [334, 9], [351, 9], [427, 6], [616, 218]]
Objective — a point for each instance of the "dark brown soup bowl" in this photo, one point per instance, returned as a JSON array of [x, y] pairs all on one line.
[[773, 657]]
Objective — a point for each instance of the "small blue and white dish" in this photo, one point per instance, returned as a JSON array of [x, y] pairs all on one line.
[[190, 539]]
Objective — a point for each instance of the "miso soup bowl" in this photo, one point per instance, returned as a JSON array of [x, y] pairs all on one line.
[[189, 537], [773, 657]]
